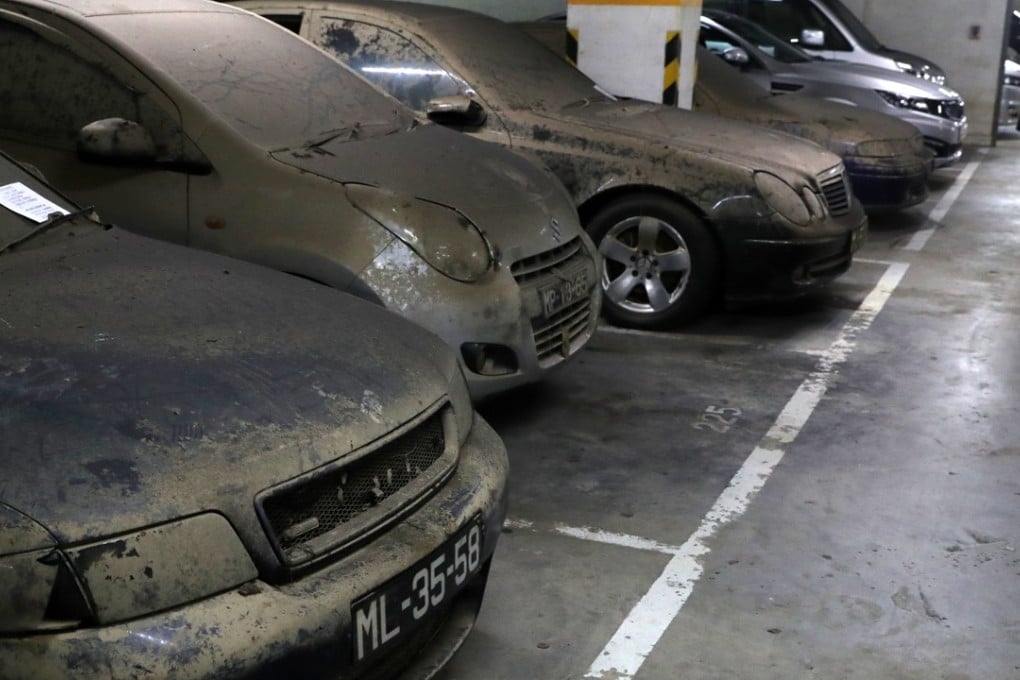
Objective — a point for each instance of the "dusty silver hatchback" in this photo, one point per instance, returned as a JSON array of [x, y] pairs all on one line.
[[198, 123], [684, 207], [192, 489]]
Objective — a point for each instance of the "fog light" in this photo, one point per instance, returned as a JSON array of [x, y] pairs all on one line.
[[486, 359]]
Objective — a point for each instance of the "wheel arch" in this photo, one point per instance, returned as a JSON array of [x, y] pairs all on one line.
[[591, 207]]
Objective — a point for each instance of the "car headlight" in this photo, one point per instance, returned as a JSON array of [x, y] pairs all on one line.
[[122, 578], [913, 103], [785, 200], [443, 237]]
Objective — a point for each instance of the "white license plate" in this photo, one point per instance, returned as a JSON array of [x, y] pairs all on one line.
[[384, 617], [571, 288]]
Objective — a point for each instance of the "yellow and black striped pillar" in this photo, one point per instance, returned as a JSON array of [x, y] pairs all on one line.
[[671, 68], [573, 36]]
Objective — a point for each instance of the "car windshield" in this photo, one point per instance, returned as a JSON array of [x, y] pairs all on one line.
[[866, 38], [270, 86], [28, 207], [760, 38], [511, 65]]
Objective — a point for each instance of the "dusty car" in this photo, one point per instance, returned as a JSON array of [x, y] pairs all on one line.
[[886, 160], [193, 489], [936, 110], [682, 206], [199, 123]]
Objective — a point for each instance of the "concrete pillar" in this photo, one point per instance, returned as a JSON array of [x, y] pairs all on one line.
[[637, 48]]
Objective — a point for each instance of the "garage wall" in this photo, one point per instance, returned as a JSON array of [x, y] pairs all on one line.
[[940, 30]]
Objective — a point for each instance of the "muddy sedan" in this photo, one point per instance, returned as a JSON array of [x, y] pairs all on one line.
[[192, 489], [201, 124], [682, 206]]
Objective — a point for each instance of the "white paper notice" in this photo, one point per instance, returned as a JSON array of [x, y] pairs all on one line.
[[18, 198]]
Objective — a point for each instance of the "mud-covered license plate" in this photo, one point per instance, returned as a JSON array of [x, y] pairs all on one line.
[[858, 237], [571, 287], [384, 617]]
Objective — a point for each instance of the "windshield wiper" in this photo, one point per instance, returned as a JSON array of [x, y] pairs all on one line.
[[54, 221], [351, 132]]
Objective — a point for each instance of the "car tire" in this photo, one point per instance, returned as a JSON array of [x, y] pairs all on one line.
[[660, 264]]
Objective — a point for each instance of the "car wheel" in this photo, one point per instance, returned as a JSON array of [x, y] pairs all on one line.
[[660, 264]]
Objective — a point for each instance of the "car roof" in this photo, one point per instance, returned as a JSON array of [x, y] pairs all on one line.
[[89, 8]]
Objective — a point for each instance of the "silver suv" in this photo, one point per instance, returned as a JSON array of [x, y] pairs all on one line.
[[937, 111]]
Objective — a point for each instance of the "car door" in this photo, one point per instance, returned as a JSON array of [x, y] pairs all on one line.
[[401, 64], [53, 85]]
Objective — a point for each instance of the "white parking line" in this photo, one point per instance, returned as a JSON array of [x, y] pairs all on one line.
[[920, 238], [635, 639]]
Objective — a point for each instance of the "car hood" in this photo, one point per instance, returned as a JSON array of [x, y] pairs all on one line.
[[436, 164], [864, 76], [841, 128], [654, 126], [142, 382]]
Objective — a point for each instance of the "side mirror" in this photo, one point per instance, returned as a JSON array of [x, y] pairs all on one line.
[[737, 56], [456, 110], [812, 37], [115, 140]]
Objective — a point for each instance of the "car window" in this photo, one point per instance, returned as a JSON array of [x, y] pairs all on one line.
[[270, 86], [718, 42], [763, 40], [54, 92], [389, 60], [786, 19]]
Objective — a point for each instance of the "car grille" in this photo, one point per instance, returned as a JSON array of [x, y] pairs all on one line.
[[555, 338], [320, 513], [558, 336], [836, 190]]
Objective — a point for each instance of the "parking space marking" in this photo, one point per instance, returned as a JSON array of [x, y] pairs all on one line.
[[644, 626], [594, 535], [920, 238]]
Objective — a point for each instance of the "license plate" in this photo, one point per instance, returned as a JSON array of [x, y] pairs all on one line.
[[857, 238], [571, 288], [384, 617]]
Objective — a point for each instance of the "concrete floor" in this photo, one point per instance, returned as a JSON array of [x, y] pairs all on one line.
[[873, 529]]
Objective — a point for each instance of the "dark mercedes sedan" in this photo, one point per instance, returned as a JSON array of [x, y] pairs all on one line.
[[683, 207], [205, 478]]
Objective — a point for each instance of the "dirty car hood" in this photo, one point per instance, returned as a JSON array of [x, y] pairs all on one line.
[[658, 126], [142, 382], [838, 127], [433, 163]]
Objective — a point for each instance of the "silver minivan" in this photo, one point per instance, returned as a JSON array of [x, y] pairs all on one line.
[[827, 29]]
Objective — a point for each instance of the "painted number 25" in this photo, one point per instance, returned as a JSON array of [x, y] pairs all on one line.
[[717, 418]]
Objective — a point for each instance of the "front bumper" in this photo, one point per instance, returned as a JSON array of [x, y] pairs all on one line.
[[301, 629], [760, 267], [882, 184], [498, 325]]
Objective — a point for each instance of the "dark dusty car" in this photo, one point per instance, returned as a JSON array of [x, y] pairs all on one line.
[[885, 159], [193, 489], [682, 206], [201, 124]]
